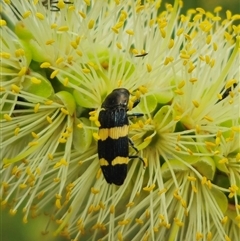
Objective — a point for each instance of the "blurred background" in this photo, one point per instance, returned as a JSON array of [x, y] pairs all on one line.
[[12, 228]]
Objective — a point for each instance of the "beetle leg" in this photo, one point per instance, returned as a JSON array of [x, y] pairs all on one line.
[[135, 115], [132, 145], [140, 158]]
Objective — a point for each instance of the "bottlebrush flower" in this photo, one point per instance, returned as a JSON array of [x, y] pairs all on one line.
[[60, 59]]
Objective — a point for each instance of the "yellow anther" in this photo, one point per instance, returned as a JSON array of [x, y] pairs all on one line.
[[26, 14], [163, 32], [178, 222], [130, 32], [208, 118], [208, 39], [194, 189], [22, 185], [171, 43], [22, 71], [49, 119], [139, 221], [195, 103], [63, 28], [209, 236], [33, 143], [119, 45], [210, 144], [124, 222], [86, 70], [179, 92], [229, 15], [34, 135], [120, 236], [61, 4], [230, 83], [45, 65], [54, 74], [193, 80], [91, 24], [82, 14], [58, 203], [36, 81], [217, 9], [50, 41], [199, 236], [223, 161], [181, 84], [5, 55], [119, 25], [180, 31], [3, 23], [149, 68], [191, 178], [96, 136], [130, 204], [149, 188], [40, 16], [94, 190], [191, 68], [64, 111], [7, 117]]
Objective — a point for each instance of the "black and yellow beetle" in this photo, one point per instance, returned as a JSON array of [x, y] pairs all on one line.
[[113, 143]]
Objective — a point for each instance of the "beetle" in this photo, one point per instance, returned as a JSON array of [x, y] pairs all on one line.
[[113, 143]]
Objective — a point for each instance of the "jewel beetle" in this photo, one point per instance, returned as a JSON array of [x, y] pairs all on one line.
[[113, 143]]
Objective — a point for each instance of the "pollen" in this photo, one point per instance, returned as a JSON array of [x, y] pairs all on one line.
[[191, 178], [149, 68], [139, 221], [22, 71], [36, 81], [82, 14], [3, 23], [171, 43], [195, 103], [61, 4], [149, 188], [40, 16], [124, 222], [26, 14], [54, 74], [49, 119], [63, 28], [94, 190], [64, 111], [45, 65], [130, 32], [7, 117], [208, 118], [86, 70], [36, 107], [230, 83], [33, 143], [91, 24], [34, 135], [223, 161]]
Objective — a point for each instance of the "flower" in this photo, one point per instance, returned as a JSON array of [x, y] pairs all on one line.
[[59, 60]]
